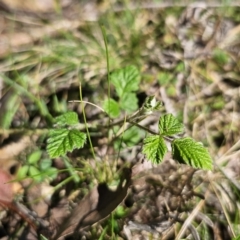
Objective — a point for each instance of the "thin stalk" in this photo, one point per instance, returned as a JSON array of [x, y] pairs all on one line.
[[85, 121], [89, 104], [108, 74], [107, 59]]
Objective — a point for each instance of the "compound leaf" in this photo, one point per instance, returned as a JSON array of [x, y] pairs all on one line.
[[187, 151], [125, 80], [61, 141], [155, 148], [111, 107], [169, 125]]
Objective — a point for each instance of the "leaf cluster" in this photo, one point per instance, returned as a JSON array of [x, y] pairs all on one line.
[[37, 168], [184, 150], [66, 137], [126, 82]]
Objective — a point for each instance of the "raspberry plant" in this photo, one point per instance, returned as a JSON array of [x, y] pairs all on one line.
[[66, 136]]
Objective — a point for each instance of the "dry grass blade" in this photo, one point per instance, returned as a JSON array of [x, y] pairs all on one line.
[[225, 203], [188, 221]]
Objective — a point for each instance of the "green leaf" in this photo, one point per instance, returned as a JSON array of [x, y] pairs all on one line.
[[111, 107], [9, 106], [45, 164], [129, 102], [169, 125], [194, 154], [155, 148], [61, 141], [34, 157], [130, 137], [68, 118], [164, 78], [35, 173], [125, 80], [22, 172], [50, 172]]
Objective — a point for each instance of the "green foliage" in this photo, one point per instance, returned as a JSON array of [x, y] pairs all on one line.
[[36, 168], [126, 82], [236, 238], [9, 110], [187, 151], [67, 119], [169, 125], [220, 56], [111, 107], [130, 138], [121, 212], [64, 138], [34, 157], [129, 102], [151, 105], [164, 78], [154, 148]]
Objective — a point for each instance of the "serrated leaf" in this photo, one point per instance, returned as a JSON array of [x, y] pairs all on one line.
[[68, 118], [194, 154], [111, 107], [61, 141], [155, 148], [125, 80], [169, 125], [129, 102]]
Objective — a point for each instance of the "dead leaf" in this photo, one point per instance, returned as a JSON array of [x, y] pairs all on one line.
[[97, 205], [6, 189]]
